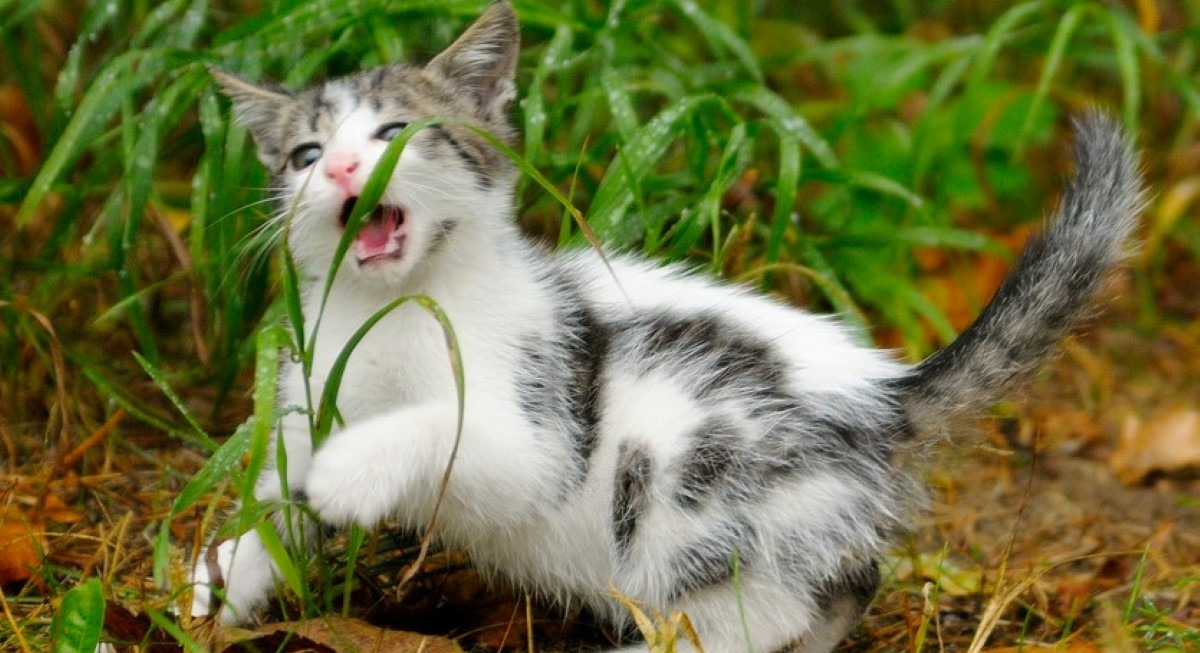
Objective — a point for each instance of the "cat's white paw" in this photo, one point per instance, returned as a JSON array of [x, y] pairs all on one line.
[[247, 574], [353, 480]]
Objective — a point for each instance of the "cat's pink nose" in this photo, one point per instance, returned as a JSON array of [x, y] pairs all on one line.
[[340, 167]]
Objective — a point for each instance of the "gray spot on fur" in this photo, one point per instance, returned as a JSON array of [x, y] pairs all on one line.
[[631, 499]]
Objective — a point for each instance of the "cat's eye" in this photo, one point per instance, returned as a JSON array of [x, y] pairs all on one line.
[[305, 155], [390, 130]]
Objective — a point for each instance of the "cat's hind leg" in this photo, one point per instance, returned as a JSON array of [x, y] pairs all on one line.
[[768, 613]]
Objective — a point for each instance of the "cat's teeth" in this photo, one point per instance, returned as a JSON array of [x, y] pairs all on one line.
[[381, 237]]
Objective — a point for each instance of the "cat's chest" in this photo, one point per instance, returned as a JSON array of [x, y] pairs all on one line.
[[402, 359]]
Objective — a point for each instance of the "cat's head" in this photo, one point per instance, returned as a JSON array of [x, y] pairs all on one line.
[[322, 143]]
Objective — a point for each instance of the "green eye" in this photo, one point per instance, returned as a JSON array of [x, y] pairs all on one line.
[[390, 130], [305, 155]]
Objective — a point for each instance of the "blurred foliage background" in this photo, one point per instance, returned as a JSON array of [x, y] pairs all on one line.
[[883, 159]]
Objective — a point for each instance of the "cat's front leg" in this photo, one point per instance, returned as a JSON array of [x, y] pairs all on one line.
[[244, 573], [392, 466], [238, 575]]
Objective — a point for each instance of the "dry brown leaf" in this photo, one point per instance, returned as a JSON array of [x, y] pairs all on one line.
[[345, 635], [21, 544], [1170, 442], [1073, 647], [123, 626], [57, 511]]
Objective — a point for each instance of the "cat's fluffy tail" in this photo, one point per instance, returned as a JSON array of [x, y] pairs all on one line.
[[1047, 290]]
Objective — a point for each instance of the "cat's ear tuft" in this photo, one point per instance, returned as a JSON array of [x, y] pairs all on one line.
[[258, 107], [483, 61]]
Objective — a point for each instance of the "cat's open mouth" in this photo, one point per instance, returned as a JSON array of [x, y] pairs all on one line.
[[381, 237]]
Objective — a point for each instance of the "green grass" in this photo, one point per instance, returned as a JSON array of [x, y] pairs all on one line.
[[816, 151]]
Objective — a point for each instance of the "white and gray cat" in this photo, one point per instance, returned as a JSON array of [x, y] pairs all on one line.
[[631, 430]]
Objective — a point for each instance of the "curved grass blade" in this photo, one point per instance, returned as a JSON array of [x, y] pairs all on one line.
[[368, 199], [720, 36], [995, 38], [133, 405], [160, 380], [1121, 29], [827, 281], [526, 167], [786, 184], [1054, 57], [460, 385], [176, 632], [870, 181], [837, 294], [786, 119], [646, 147], [554, 55], [734, 161], [326, 409], [266, 383]]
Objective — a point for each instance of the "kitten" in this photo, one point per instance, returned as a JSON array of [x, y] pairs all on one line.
[[631, 430]]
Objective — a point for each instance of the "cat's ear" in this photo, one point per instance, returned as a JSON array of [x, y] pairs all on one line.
[[483, 61], [259, 108]]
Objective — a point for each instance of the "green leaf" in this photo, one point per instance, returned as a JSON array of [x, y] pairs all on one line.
[[80, 619]]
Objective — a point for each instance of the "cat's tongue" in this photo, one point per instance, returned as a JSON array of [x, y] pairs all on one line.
[[381, 236]]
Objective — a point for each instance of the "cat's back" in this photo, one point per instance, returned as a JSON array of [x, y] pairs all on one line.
[[657, 306]]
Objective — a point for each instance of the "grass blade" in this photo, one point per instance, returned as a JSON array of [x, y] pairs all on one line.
[[160, 381], [1054, 58], [647, 146], [720, 36]]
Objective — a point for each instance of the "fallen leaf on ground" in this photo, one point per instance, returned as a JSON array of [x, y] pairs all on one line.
[[122, 626], [57, 511], [1169, 442], [1073, 647], [21, 544], [334, 634]]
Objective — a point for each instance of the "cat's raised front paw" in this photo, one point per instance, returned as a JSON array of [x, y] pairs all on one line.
[[352, 480]]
